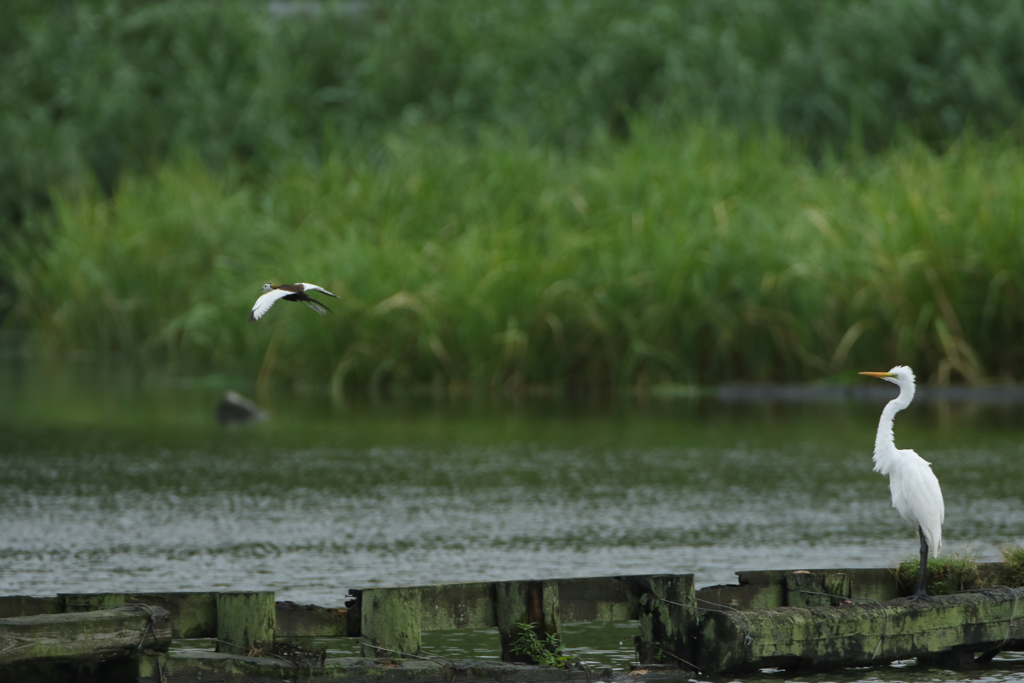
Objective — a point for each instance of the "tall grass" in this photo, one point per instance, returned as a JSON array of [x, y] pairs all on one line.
[[96, 87], [685, 255]]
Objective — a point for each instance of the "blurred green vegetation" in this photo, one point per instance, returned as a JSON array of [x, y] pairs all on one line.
[[96, 87], [693, 255], [563, 192]]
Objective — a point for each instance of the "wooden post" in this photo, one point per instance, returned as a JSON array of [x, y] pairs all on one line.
[[245, 622], [95, 636], [390, 621], [525, 602], [806, 589], [668, 621]]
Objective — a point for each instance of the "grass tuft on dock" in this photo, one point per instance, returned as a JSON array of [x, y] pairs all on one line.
[[947, 574], [1013, 556]]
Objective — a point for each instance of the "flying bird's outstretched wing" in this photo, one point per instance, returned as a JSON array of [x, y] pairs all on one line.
[[317, 288], [264, 303]]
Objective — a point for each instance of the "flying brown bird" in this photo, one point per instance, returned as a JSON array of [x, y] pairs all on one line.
[[296, 292]]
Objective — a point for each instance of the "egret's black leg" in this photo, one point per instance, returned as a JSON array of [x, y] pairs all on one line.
[[922, 571]]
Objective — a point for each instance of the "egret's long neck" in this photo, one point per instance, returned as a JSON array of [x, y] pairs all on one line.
[[885, 444]]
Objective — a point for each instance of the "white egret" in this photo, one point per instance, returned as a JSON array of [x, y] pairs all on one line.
[[296, 292], [915, 489]]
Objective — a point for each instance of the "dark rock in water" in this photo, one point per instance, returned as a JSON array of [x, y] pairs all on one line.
[[237, 409]]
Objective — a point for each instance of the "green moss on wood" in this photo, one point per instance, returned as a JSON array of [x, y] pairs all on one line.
[[391, 621], [245, 621], [858, 634]]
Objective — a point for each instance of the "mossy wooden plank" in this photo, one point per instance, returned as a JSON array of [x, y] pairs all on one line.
[[87, 602], [391, 621], [96, 635], [668, 621], [869, 583], [551, 607], [457, 605], [807, 589], [194, 613], [26, 606], [245, 621], [606, 598], [758, 590], [767, 589], [859, 633], [182, 668], [303, 621]]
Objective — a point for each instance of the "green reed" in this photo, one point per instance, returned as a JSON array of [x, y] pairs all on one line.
[[97, 87], [686, 256]]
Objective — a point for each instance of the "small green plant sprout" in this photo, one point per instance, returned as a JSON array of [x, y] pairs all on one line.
[[546, 651], [1013, 556], [947, 574]]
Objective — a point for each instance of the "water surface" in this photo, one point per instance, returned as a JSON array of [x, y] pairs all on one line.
[[110, 481]]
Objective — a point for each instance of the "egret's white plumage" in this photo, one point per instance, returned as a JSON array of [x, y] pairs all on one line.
[[915, 489], [295, 292]]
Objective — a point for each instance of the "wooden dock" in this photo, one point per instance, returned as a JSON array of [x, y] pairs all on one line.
[[800, 620]]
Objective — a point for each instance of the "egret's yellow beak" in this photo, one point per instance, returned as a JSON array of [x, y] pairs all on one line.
[[878, 374]]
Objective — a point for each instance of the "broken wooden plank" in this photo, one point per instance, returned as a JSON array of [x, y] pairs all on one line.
[[94, 636], [245, 621], [860, 633]]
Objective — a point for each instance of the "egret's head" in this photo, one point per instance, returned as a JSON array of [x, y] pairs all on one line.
[[267, 287], [900, 375]]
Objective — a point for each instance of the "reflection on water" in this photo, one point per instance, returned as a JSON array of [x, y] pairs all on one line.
[[109, 482]]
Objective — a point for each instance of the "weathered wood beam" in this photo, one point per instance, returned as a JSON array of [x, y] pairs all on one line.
[[245, 621], [668, 621], [91, 636], [195, 613], [457, 605], [607, 598], [807, 589], [768, 589], [525, 602], [860, 633], [390, 621]]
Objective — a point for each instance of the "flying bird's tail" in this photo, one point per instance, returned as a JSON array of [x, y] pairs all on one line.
[[317, 306]]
